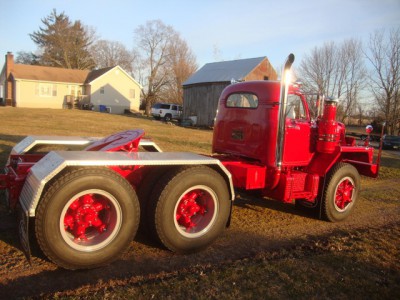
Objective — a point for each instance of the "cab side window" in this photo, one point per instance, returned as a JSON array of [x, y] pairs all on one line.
[[295, 108]]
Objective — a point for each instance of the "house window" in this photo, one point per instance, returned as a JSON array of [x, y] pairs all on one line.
[[102, 90], [46, 90], [132, 93]]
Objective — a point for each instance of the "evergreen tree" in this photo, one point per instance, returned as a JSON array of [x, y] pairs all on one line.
[[64, 43]]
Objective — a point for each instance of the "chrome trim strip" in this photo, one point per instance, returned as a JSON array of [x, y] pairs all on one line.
[[31, 141]]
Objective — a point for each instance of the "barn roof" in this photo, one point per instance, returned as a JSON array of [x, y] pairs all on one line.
[[224, 71]]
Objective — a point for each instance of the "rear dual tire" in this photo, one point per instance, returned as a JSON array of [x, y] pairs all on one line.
[[189, 208], [87, 218]]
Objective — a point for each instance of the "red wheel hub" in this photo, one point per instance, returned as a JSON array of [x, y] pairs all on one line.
[[84, 214], [188, 207], [344, 194]]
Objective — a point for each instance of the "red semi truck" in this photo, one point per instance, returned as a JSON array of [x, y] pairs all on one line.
[[84, 207]]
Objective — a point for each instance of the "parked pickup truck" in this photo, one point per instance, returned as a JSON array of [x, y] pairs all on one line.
[[166, 111]]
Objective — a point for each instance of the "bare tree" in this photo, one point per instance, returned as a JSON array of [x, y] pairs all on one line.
[[156, 47], [350, 77], [153, 42], [316, 71], [111, 53], [182, 64], [27, 58], [64, 43], [384, 55], [335, 71]]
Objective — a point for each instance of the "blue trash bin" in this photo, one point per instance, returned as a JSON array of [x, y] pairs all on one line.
[[102, 108]]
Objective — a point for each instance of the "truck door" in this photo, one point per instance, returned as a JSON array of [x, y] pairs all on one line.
[[174, 111], [298, 146]]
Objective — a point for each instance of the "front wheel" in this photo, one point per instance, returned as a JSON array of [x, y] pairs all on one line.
[[87, 218], [341, 191], [189, 208]]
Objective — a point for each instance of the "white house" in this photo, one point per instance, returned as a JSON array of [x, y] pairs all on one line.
[[110, 89]]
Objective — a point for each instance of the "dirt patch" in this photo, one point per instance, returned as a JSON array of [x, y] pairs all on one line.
[[360, 263]]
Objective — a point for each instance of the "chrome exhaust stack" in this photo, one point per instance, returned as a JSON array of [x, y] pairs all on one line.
[[280, 137]]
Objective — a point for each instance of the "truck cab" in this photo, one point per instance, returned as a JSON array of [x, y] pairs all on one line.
[[274, 146], [247, 124]]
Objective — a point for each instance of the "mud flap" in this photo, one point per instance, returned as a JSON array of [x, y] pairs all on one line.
[[23, 232], [228, 223]]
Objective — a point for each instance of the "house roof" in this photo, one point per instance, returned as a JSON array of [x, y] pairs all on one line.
[[41, 73], [224, 71], [97, 73], [52, 74]]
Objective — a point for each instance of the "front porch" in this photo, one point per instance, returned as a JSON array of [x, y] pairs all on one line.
[[77, 102]]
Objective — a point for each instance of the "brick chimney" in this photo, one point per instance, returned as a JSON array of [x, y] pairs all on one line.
[[8, 93]]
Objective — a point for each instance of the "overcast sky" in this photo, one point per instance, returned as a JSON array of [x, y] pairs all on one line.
[[238, 29]]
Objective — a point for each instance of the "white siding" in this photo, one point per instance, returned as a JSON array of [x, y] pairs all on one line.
[[113, 90], [27, 95]]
